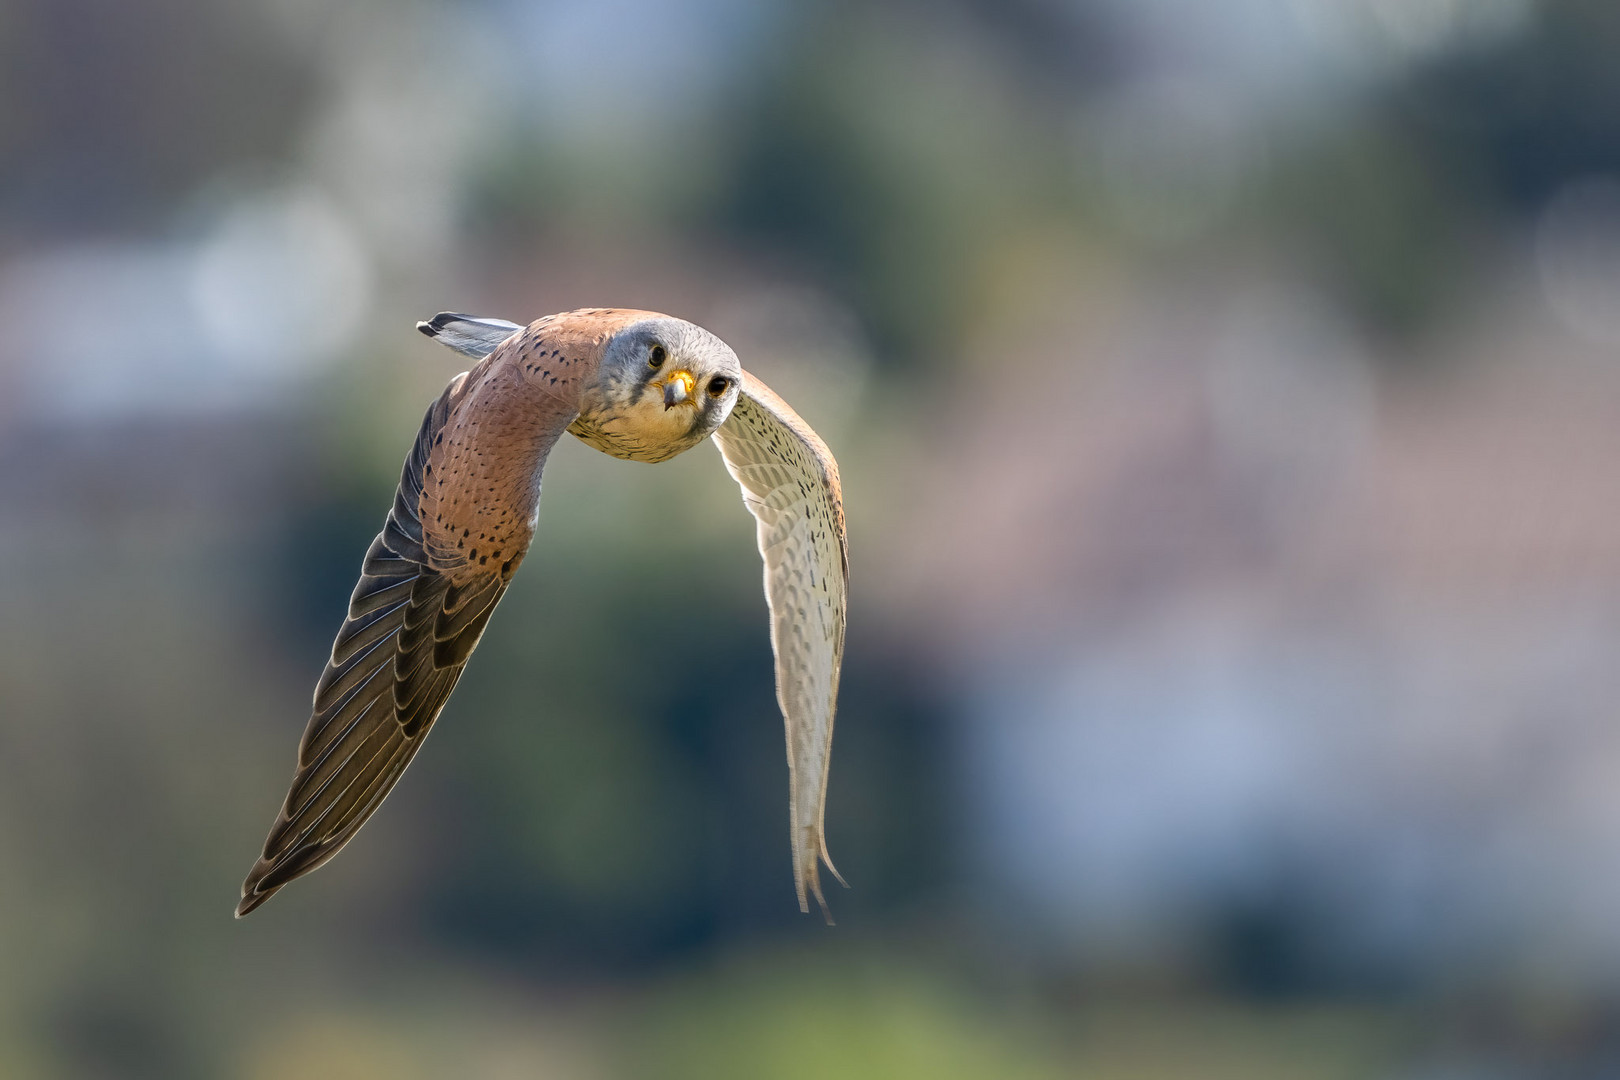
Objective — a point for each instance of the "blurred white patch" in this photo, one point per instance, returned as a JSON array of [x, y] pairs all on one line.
[[281, 284], [1172, 157], [93, 329], [1578, 257], [1148, 778], [1443, 782], [413, 108], [277, 287]]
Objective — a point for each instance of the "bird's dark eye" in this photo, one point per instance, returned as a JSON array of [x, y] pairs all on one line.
[[655, 356], [718, 384]]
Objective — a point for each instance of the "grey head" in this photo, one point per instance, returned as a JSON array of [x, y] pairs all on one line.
[[663, 385]]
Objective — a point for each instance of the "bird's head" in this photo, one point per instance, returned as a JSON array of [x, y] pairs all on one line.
[[665, 385]]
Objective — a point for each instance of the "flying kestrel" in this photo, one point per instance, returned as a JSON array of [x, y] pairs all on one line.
[[634, 384]]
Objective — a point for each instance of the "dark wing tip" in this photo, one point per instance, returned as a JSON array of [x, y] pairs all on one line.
[[435, 326], [251, 900], [270, 874], [262, 883]]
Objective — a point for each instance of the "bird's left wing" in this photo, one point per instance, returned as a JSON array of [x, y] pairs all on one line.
[[790, 484]]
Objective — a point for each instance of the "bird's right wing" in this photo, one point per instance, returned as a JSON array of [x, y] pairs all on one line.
[[790, 484], [460, 525]]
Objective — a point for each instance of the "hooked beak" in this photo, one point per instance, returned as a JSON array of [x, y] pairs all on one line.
[[677, 388]]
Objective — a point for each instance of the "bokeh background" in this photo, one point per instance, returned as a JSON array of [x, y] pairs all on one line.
[[1228, 400]]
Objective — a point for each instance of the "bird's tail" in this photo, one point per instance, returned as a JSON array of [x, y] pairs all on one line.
[[468, 334]]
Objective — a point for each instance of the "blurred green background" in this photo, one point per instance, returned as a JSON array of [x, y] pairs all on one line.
[[1227, 394]]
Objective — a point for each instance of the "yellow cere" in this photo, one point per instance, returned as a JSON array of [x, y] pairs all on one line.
[[685, 379]]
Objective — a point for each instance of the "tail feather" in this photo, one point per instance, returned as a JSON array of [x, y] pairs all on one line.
[[468, 335]]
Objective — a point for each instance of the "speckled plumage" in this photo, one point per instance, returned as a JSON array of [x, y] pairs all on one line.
[[790, 484], [633, 384]]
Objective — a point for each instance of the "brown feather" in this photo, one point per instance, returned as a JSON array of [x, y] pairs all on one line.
[[461, 522]]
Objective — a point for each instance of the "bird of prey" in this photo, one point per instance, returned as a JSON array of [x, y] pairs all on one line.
[[634, 384]]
